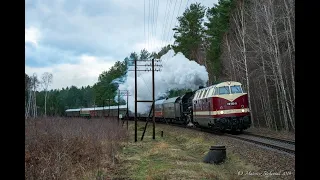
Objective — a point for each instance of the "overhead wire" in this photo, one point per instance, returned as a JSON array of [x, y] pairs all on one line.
[[151, 33], [165, 24], [171, 21], [150, 21], [165, 60]]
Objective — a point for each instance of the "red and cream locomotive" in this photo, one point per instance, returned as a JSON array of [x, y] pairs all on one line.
[[223, 106]]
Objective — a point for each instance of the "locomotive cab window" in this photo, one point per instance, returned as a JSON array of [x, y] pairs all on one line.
[[196, 95], [236, 89], [204, 94], [224, 90], [215, 92], [200, 94]]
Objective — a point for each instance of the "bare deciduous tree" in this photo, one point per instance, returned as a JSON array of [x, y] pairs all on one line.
[[259, 51], [46, 81], [31, 103]]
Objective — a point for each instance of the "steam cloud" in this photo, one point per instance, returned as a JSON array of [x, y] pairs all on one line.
[[177, 72]]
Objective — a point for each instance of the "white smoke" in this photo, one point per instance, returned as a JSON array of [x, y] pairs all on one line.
[[177, 72]]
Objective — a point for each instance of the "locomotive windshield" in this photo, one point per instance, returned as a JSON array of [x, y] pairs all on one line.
[[235, 89], [226, 89]]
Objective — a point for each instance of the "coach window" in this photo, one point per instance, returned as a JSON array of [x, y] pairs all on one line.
[[236, 89], [224, 90]]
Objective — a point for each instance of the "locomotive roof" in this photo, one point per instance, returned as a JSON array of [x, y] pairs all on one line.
[[210, 89], [227, 83], [171, 100], [97, 108], [160, 101]]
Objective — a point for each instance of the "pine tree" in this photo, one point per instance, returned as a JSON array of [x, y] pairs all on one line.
[[190, 33]]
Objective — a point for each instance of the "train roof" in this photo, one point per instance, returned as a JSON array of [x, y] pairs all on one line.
[[226, 83], [72, 110], [160, 101], [171, 100], [208, 91], [97, 108]]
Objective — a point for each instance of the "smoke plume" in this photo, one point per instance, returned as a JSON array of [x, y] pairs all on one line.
[[177, 72]]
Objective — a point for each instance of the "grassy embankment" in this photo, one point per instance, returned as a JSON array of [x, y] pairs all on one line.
[[177, 155]]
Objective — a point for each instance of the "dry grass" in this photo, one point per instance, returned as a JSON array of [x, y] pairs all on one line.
[[178, 155], [64, 148]]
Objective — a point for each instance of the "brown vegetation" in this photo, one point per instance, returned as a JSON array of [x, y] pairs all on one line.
[[71, 148]]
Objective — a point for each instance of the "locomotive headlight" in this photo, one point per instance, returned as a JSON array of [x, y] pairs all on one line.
[[221, 112], [242, 110]]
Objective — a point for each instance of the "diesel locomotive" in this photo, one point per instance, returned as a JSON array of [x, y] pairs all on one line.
[[222, 106]]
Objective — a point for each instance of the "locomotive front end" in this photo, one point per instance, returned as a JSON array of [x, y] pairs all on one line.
[[232, 107], [232, 111], [224, 106]]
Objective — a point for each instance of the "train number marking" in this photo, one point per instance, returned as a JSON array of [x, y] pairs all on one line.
[[232, 103]]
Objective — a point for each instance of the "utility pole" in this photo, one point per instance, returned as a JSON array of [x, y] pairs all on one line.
[[135, 102], [125, 94], [109, 102], [109, 107], [127, 109], [153, 118], [118, 106], [94, 109], [135, 93]]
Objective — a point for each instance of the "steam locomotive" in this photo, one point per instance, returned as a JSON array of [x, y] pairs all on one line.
[[222, 106]]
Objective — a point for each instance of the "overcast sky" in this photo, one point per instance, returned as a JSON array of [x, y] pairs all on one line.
[[76, 40]]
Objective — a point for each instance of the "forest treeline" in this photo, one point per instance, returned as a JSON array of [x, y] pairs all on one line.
[[250, 41]]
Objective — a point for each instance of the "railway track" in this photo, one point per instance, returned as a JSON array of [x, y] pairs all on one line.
[[288, 141], [270, 142], [283, 145]]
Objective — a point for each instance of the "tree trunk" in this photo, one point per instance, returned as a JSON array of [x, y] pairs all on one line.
[[268, 105], [45, 104], [244, 53], [255, 105], [233, 75]]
